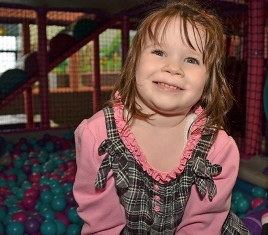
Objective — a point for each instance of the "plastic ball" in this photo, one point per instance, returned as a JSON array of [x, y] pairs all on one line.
[[27, 169], [44, 188], [49, 146], [20, 216], [3, 182], [32, 226], [237, 195], [43, 157], [29, 202], [73, 216], [70, 200], [21, 177], [7, 219], [13, 209], [11, 177], [55, 175], [259, 192], [48, 214], [35, 177], [38, 217], [25, 185], [18, 163], [234, 207], [73, 229], [242, 205], [46, 197], [62, 217], [56, 189], [256, 202], [48, 228], [14, 227], [61, 228], [58, 203], [3, 213], [11, 183], [67, 187], [31, 192], [37, 168]]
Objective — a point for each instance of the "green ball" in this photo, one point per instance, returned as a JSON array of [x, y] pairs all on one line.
[[58, 203], [61, 228], [48, 214], [73, 229], [48, 228], [18, 163], [14, 227], [2, 213], [46, 197], [73, 216]]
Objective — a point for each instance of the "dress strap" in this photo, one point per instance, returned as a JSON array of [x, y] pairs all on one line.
[[112, 132], [203, 170], [116, 157]]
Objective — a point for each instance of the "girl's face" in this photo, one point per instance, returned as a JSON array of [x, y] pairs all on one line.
[[171, 76]]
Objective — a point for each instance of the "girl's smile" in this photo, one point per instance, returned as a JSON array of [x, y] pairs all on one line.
[[167, 87]]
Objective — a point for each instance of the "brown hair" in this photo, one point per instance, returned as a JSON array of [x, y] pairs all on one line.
[[216, 99]]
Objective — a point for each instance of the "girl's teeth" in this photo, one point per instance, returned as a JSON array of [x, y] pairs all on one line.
[[169, 86]]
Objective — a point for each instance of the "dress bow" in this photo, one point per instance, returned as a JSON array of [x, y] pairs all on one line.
[[115, 159], [203, 176]]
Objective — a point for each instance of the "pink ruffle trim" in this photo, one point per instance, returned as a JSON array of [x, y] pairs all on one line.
[[130, 142]]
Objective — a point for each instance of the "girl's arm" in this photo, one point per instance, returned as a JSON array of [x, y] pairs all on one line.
[[101, 211], [203, 216]]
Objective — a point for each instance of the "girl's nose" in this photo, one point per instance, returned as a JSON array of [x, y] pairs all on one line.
[[173, 67]]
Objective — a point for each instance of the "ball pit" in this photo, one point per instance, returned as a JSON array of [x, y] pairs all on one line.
[[247, 198], [36, 188]]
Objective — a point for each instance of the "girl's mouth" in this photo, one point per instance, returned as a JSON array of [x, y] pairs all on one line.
[[168, 86]]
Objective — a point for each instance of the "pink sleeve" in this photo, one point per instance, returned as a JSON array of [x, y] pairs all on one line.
[[101, 210], [203, 216]]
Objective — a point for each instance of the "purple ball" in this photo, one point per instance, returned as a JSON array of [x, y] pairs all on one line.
[[27, 169], [32, 226], [38, 217], [43, 188], [70, 200]]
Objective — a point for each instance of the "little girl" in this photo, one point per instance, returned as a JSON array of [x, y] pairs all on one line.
[[157, 160]]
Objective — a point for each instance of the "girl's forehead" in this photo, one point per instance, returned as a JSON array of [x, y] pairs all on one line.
[[192, 34]]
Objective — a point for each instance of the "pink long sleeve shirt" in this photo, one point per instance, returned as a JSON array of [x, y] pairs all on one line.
[[101, 210]]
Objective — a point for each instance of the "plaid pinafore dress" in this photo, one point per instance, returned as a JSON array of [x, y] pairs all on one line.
[[151, 207]]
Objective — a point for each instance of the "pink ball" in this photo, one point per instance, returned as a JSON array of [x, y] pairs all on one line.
[[11, 177], [35, 186], [63, 218], [55, 176], [29, 202], [35, 177], [20, 216], [31, 192], [256, 202]]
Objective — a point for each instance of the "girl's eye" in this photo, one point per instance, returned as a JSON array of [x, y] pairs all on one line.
[[158, 52], [191, 60]]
